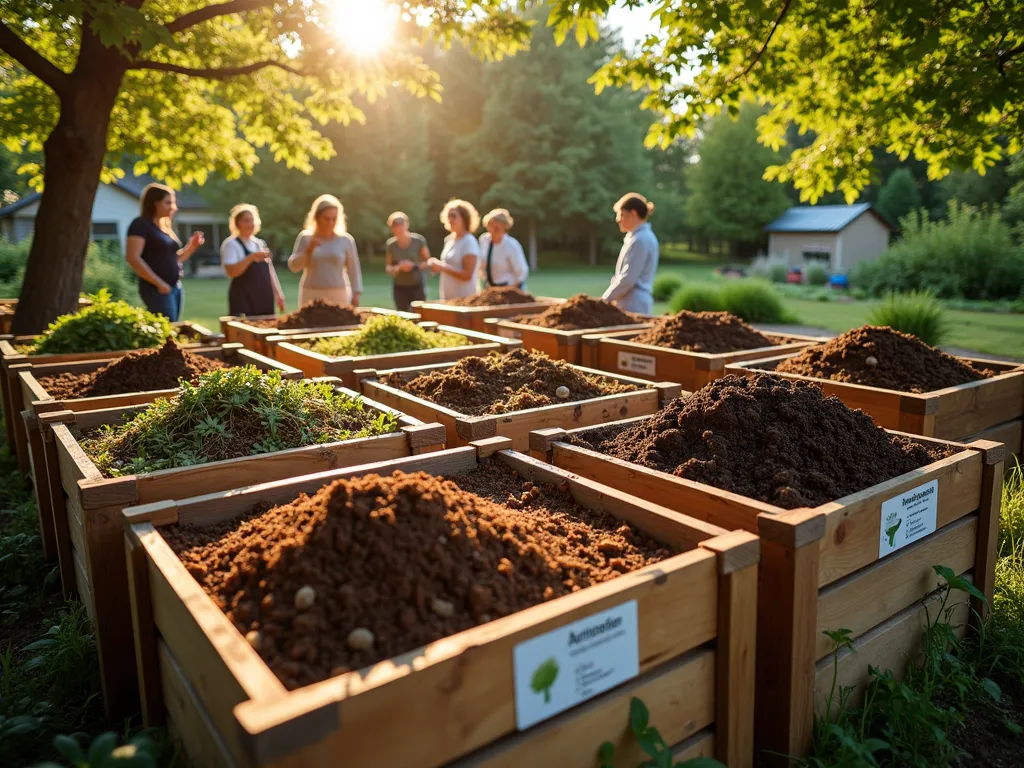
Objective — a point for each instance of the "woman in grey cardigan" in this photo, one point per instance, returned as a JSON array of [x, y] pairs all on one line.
[[326, 255], [633, 280]]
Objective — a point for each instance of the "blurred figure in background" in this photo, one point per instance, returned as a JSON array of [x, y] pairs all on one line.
[[503, 260], [461, 253], [631, 285], [246, 260], [406, 254], [327, 257]]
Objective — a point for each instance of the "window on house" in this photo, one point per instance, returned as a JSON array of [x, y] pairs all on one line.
[[822, 257], [104, 230]]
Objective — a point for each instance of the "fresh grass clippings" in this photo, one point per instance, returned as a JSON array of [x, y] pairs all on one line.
[[229, 414], [386, 335], [103, 326]]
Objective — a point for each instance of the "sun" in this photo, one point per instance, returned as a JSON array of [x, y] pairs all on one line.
[[364, 27]]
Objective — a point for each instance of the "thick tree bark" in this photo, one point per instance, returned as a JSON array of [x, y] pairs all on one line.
[[73, 155]]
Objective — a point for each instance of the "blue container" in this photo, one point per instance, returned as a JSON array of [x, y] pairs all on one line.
[[839, 281]]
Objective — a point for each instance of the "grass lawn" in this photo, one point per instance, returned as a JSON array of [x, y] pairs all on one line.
[[986, 332]]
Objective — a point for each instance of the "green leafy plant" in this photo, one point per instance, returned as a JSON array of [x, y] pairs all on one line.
[[544, 677], [104, 752], [696, 298], [651, 742], [754, 301], [385, 335], [665, 286], [232, 413], [917, 313], [816, 275], [778, 272], [104, 326]]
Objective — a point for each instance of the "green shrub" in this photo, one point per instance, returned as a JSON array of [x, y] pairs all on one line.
[[754, 301], [105, 267], [817, 275], [386, 335], [970, 254], [232, 413], [918, 313], [696, 298], [664, 286], [104, 326], [778, 272]]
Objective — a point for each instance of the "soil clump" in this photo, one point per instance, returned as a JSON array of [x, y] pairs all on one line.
[[709, 332], [498, 295], [580, 313], [317, 314]]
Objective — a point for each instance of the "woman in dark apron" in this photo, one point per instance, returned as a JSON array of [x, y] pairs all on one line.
[[254, 286]]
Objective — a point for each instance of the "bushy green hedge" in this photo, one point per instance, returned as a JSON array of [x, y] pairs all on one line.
[[104, 326], [970, 254], [918, 313], [696, 298], [753, 300], [817, 275], [665, 286], [105, 267]]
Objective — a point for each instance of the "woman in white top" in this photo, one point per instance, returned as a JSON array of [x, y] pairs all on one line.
[[326, 255], [502, 259], [461, 253], [246, 260]]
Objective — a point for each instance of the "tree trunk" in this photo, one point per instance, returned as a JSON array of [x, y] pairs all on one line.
[[593, 249], [73, 155], [532, 245]]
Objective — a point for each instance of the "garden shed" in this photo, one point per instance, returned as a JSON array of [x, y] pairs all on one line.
[[837, 237]]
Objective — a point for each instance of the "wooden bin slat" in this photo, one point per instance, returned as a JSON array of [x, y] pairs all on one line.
[[473, 317], [699, 745], [458, 690], [556, 344]]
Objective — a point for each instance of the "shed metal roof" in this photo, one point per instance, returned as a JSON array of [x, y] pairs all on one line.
[[822, 218]]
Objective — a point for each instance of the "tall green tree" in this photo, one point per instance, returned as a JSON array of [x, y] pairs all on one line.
[[728, 197], [899, 196], [190, 87]]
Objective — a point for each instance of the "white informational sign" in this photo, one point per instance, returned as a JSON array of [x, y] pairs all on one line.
[[634, 363], [908, 517], [558, 670]]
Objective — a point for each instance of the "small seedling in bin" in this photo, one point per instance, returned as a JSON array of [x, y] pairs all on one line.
[[652, 744]]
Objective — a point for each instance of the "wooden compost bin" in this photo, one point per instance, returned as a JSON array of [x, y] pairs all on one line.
[[31, 400], [9, 356], [822, 569], [284, 349], [88, 526], [454, 697], [254, 337], [472, 318], [558, 345], [617, 352], [990, 409], [517, 425]]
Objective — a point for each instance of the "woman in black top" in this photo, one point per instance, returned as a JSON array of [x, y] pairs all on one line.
[[156, 253], [254, 286]]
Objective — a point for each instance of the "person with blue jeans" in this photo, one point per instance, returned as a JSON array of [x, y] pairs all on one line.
[[155, 253]]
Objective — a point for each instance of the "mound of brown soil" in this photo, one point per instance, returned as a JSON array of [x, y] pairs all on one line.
[[140, 371], [494, 297], [580, 313], [502, 383], [320, 314], [881, 357], [407, 560], [710, 332], [779, 441]]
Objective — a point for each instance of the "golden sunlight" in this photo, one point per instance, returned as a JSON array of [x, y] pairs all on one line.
[[365, 27]]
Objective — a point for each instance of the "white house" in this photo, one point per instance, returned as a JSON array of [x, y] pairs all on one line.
[[837, 237], [114, 208]]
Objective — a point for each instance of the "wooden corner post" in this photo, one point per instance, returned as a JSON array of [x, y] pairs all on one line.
[[786, 628], [989, 510], [541, 441]]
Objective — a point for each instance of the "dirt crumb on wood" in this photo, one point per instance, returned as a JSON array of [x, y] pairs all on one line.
[[580, 313], [877, 356], [375, 566], [494, 297], [709, 332], [140, 371], [507, 382], [778, 441]]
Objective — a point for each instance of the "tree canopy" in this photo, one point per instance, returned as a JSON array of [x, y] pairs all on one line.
[[899, 196]]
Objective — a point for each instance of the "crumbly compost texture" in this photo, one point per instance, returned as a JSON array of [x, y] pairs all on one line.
[[405, 559], [710, 332], [882, 357], [140, 371], [579, 313], [494, 297], [507, 382], [778, 441], [317, 314]]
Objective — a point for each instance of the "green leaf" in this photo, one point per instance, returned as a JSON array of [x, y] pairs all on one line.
[[957, 582], [606, 753], [69, 747], [991, 687], [638, 716], [102, 746]]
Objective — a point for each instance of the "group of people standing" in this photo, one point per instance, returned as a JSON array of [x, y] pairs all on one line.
[[326, 255]]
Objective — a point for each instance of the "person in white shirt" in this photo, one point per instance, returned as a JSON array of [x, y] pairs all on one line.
[[631, 285], [461, 253], [246, 260], [502, 258], [327, 257]]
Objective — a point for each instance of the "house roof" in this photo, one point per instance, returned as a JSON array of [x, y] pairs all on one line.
[[822, 218], [187, 198]]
